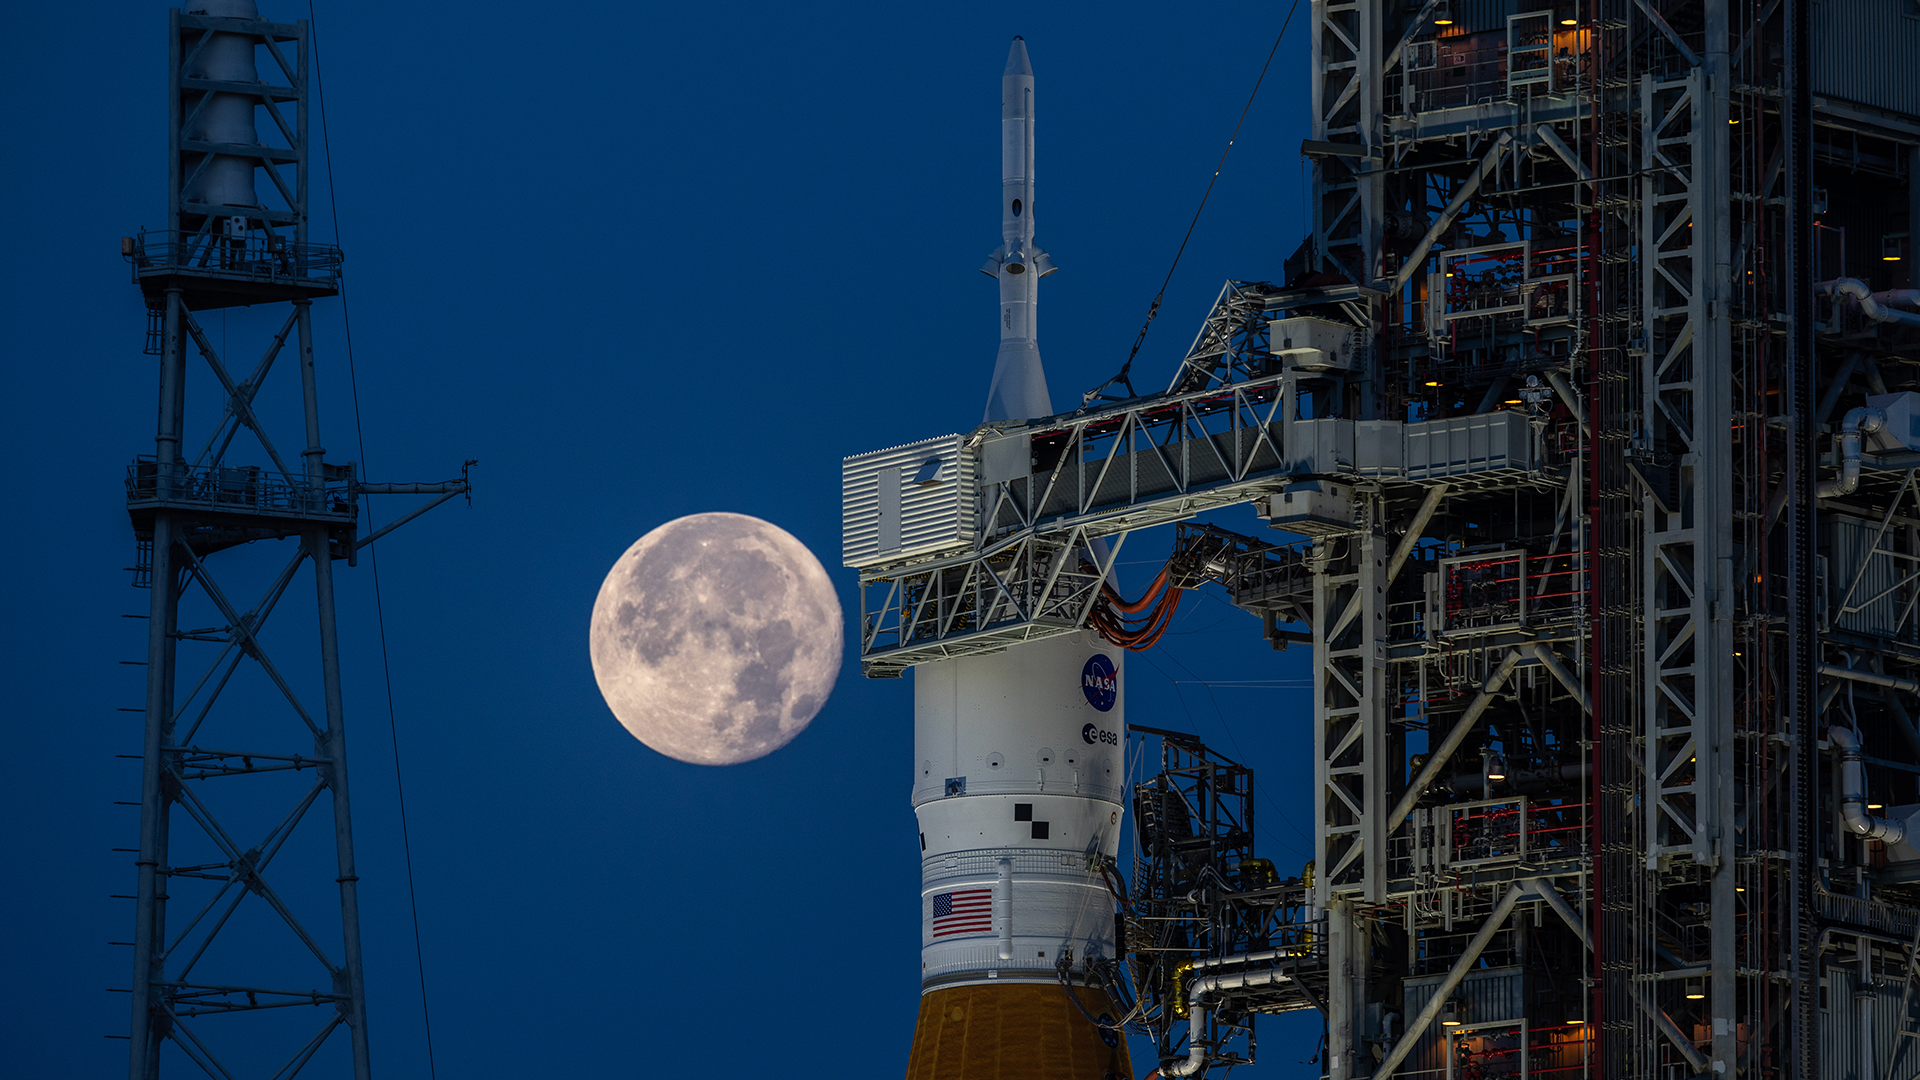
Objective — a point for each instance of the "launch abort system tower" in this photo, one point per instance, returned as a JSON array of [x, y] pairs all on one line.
[[1592, 404], [242, 746]]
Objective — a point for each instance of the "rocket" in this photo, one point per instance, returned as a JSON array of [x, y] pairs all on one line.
[[1019, 779], [1019, 388]]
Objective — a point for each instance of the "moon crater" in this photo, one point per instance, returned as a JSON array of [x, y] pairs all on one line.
[[716, 638]]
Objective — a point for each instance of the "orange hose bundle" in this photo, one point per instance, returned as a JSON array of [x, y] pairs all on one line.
[[1110, 616]]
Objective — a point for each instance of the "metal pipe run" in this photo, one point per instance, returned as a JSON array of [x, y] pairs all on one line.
[[1853, 792], [1852, 426], [1198, 990], [1835, 671], [1866, 300]]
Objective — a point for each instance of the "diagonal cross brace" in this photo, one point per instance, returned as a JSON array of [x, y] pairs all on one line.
[[249, 641], [240, 403]]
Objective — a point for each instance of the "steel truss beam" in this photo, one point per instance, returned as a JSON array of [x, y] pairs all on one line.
[[1153, 461]]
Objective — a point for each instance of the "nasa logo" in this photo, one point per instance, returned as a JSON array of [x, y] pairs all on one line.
[[1100, 683]]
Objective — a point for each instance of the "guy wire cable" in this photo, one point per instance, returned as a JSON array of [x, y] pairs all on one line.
[[373, 554], [1153, 309]]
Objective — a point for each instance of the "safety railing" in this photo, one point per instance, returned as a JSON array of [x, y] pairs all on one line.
[[253, 255], [1511, 831], [246, 489]]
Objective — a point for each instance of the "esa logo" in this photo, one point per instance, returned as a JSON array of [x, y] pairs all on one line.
[[1094, 734], [1100, 683]]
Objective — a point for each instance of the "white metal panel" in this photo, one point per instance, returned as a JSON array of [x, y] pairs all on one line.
[[1463, 445], [886, 515]]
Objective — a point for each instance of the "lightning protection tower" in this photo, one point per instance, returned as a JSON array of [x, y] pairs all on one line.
[[245, 749]]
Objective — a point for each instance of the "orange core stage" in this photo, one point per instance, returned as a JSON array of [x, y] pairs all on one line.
[[1016, 1031]]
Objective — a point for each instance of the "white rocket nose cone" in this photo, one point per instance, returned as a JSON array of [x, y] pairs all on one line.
[[1017, 59]]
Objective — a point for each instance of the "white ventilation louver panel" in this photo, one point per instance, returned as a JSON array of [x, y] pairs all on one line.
[[908, 502]]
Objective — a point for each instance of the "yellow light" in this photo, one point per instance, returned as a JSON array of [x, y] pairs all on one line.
[[1739, 888], [1694, 995], [1430, 382], [1449, 1023], [1443, 21], [1496, 776], [1876, 806], [1889, 258], [1569, 22], [1576, 1023], [1732, 121]]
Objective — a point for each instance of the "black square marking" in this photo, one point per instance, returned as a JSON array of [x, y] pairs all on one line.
[[923, 841], [1039, 830], [1023, 811]]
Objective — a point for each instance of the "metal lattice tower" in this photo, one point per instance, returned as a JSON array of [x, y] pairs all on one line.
[[233, 786]]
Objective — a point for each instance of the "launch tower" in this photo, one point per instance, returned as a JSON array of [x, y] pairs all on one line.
[[245, 751], [1589, 418]]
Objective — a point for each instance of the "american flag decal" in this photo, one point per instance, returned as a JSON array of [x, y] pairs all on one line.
[[966, 911]]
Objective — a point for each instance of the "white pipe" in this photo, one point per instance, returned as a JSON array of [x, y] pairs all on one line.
[[1197, 1012], [1287, 953], [1003, 908], [1869, 304], [1853, 792], [1909, 297], [1856, 421], [1911, 686]]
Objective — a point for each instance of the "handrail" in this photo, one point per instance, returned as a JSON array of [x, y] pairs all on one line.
[[257, 255], [239, 488]]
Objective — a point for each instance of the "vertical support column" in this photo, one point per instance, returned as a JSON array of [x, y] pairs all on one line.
[[1715, 842], [333, 741], [1346, 108], [176, 114], [314, 454], [333, 749], [1797, 118], [1350, 721], [156, 798], [156, 795], [1685, 467], [1347, 963]]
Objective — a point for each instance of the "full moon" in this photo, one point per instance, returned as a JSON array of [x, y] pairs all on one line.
[[716, 638]]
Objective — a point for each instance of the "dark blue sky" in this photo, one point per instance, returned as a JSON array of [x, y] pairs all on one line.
[[641, 261]]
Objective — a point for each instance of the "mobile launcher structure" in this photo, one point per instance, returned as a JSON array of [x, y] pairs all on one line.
[[246, 926], [1593, 399]]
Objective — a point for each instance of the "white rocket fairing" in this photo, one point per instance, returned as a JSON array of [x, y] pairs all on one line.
[[1021, 779], [1019, 388]]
